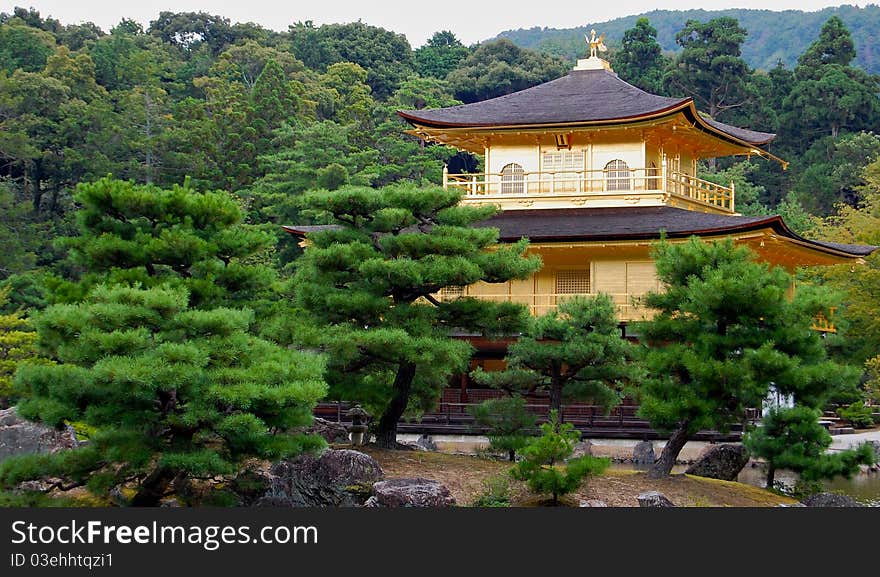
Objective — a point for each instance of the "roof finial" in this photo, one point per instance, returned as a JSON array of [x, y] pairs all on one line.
[[594, 62], [596, 44]]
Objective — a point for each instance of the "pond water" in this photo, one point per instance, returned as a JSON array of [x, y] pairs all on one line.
[[863, 487]]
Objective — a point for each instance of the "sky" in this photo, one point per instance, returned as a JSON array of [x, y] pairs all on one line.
[[471, 21]]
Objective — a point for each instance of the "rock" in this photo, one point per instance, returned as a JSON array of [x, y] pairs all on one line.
[[412, 493], [347, 467], [336, 478], [720, 462], [791, 505], [643, 453], [38, 485], [593, 503], [426, 442], [582, 449], [654, 499], [330, 431], [372, 502], [170, 502], [19, 436], [830, 500]]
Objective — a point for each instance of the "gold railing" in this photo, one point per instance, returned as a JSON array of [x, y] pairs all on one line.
[[629, 307], [825, 323], [592, 182]]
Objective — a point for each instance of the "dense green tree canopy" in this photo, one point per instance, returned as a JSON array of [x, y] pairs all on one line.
[[640, 60], [440, 55], [710, 68], [500, 67]]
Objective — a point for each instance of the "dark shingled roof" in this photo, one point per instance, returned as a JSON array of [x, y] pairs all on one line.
[[629, 223], [581, 96], [632, 223], [613, 223]]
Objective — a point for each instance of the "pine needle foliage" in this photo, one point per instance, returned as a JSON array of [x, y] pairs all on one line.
[[173, 393]]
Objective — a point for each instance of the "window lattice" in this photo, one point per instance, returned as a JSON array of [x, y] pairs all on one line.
[[451, 292], [570, 282], [617, 175], [512, 179], [563, 160]]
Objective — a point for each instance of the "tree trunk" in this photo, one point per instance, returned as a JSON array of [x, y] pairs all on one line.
[[663, 466], [36, 191], [556, 395], [771, 475], [153, 488], [386, 435], [511, 453], [53, 199]]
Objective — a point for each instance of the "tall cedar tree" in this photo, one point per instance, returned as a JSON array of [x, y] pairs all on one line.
[[829, 95], [793, 439], [174, 393], [574, 352], [709, 67], [640, 60], [725, 329], [369, 282], [144, 234]]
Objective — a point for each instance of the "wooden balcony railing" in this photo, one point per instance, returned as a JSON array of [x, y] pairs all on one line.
[[592, 183]]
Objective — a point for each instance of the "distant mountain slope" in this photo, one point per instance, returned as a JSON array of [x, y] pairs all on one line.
[[772, 35]]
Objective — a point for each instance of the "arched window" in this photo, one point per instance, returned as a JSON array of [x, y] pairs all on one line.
[[512, 179], [617, 175]]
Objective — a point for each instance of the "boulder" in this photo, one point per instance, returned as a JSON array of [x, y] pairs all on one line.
[[19, 436], [643, 453], [582, 449], [426, 442], [336, 478], [412, 493], [876, 445], [654, 499], [720, 462], [593, 503], [330, 431], [830, 500]]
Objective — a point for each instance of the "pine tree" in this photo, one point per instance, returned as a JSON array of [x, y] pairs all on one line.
[[507, 419], [793, 439], [546, 466], [573, 352], [725, 329], [369, 282], [173, 393], [144, 234]]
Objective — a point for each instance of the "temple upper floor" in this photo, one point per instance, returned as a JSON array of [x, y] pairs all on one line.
[[588, 139]]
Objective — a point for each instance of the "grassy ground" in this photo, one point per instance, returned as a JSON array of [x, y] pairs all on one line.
[[465, 476]]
